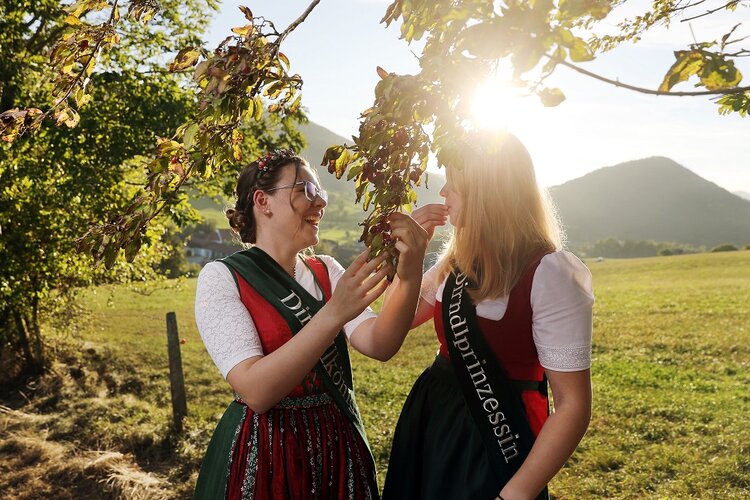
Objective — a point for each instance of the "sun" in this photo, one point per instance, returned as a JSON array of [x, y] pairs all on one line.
[[497, 105]]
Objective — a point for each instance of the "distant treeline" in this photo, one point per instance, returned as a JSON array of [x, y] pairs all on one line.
[[627, 249]]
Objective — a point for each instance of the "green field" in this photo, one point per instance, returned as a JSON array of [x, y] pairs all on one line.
[[671, 374]]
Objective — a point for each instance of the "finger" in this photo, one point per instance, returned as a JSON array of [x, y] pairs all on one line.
[[402, 247], [403, 232], [357, 264], [376, 278], [430, 210], [371, 266]]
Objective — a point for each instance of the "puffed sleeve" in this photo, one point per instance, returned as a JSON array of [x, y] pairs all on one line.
[[562, 301], [429, 288], [225, 325], [335, 271]]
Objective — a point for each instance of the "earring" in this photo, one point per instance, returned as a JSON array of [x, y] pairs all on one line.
[[267, 212]]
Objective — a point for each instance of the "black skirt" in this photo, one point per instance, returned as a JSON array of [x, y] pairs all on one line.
[[437, 450]]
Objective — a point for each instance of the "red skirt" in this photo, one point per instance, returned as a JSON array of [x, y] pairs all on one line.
[[302, 448]]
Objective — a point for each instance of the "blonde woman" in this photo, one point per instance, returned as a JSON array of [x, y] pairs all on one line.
[[512, 313]]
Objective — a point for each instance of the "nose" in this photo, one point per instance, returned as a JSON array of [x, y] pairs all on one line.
[[442, 190], [320, 202]]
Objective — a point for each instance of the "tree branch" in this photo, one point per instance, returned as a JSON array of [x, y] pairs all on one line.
[[297, 22], [642, 90], [687, 6], [730, 3], [79, 76]]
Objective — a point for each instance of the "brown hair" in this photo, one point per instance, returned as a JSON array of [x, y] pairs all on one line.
[[241, 217]]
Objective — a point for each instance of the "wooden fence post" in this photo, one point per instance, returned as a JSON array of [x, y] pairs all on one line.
[[176, 379]]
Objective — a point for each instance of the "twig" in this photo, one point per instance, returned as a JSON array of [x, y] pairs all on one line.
[[297, 22], [85, 66], [642, 90], [731, 3], [687, 6]]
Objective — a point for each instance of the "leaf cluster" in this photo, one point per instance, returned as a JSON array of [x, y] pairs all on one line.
[[245, 75]]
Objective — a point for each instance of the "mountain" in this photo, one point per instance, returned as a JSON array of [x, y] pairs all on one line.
[[651, 199], [743, 194]]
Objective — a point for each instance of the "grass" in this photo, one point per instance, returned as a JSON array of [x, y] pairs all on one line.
[[671, 359]]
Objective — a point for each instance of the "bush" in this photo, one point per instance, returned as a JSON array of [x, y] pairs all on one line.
[[725, 248], [665, 252]]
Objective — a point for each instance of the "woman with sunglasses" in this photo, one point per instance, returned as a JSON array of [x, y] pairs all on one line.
[[276, 321], [512, 312]]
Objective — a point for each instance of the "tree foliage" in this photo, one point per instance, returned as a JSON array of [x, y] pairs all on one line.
[[463, 43], [246, 78], [58, 181]]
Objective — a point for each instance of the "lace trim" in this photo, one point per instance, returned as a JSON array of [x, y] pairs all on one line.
[[309, 401], [565, 358]]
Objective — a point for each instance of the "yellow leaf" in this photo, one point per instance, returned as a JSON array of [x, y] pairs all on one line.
[[243, 30], [185, 58], [72, 20]]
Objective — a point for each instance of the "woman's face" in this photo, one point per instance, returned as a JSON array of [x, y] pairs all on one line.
[[453, 201], [296, 219]]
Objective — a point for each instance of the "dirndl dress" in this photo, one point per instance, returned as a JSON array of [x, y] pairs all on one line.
[[438, 451], [303, 448]]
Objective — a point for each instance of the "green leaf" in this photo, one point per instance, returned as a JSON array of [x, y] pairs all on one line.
[[110, 254], [377, 242], [688, 63], [132, 248], [368, 199], [258, 108], [342, 162], [355, 170], [527, 56], [489, 40], [551, 97], [189, 137], [573, 9], [720, 74], [580, 51]]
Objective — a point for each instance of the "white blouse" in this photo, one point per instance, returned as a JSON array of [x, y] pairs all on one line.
[[561, 301], [225, 325]]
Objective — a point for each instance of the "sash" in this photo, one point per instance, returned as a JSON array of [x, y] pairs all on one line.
[[297, 306], [494, 403]]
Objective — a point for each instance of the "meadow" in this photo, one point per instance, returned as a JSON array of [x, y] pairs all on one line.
[[671, 371]]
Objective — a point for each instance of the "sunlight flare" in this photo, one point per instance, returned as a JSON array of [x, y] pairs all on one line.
[[497, 105]]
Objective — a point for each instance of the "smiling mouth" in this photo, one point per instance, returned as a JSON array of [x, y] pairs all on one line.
[[313, 219]]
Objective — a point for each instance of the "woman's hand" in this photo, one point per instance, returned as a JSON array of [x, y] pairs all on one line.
[[358, 287], [411, 242], [431, 216]]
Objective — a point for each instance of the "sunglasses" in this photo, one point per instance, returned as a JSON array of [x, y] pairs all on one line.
[[311, 190]]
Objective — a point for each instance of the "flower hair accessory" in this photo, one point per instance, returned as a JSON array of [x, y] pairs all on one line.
[[270, 159]]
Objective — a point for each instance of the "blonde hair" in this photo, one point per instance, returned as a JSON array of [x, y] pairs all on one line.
[[506, 219]]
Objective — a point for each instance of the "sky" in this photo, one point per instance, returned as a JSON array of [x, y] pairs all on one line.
[[337, 49]]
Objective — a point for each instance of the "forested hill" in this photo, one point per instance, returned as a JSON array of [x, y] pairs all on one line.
[[651, 199]]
